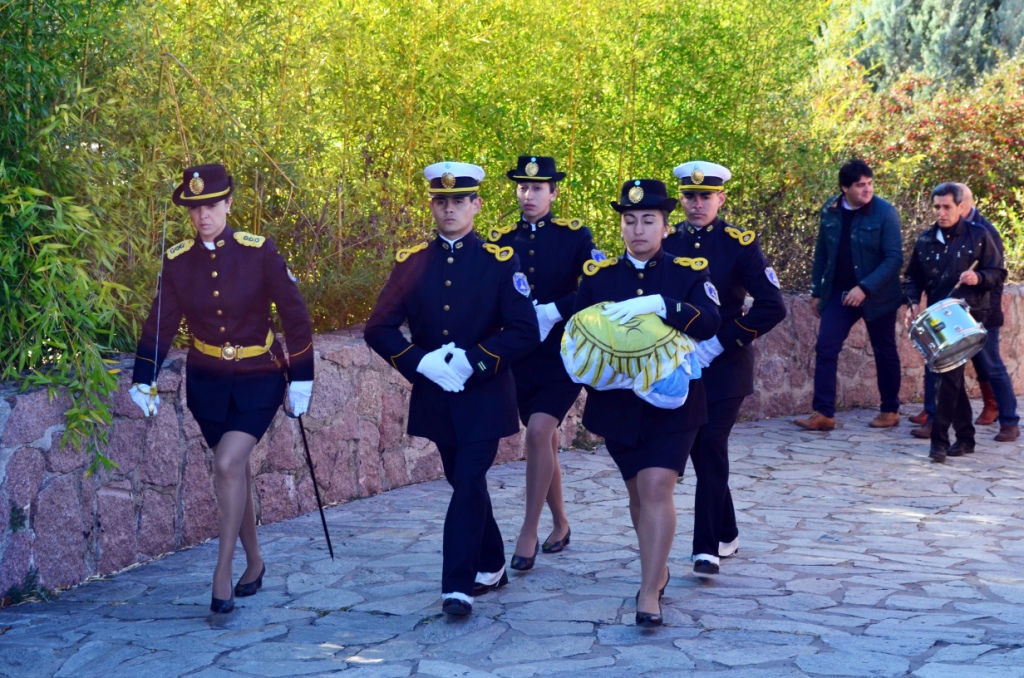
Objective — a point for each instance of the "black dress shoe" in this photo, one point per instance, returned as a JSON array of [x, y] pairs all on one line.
[[937, 455], [959, 449], [249, 589], [556, 546], [480, 589], [521, 563], [705, 567], [222, 606], [456, 607]]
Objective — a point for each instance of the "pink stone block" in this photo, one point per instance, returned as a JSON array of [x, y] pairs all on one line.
[[59, 549], [198, 500], [127, 442], [64, 458], [117, 528], [25, 471], [277, 497], [284, 447], [156, 523], [15, 560], [31, 415], [370, 472], [162, 459], [510, 448], [395, 474]]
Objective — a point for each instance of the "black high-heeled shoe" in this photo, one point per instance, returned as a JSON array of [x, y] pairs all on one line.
[[557, 546], [668, 578], [250, 588], [647, 619], [523, 563], [222, 606]]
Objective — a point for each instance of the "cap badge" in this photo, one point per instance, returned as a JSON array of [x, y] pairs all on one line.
[[448, 180], [196, 185], [532, 169], [636, 194], [697, 176]]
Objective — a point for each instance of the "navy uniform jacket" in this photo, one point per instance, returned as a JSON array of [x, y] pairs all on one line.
[[737, 267], [618, 414], [552, 258], [225, 295], [467, 295]]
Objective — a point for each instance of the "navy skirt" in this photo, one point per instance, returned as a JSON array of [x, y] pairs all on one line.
[[669, 451]]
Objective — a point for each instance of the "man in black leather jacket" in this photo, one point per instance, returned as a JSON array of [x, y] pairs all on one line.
[[942, 259]]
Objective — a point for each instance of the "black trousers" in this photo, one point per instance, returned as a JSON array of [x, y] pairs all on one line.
[[952, 406], [472, 542], [714, 518]]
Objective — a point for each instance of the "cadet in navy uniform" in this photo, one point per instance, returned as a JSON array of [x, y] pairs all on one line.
[[552, 253], [649, 444], [223, 283], [470, 317], [737, 267]]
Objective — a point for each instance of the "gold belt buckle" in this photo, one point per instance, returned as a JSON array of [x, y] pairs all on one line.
[[230, 352]]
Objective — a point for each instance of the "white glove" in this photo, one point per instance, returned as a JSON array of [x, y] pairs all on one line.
[[707, 351], [624, 311], [460, 365], [433, 367], [140, 396], [547, 316], [298, 397]]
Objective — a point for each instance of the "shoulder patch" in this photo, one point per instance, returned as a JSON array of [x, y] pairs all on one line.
[[494, 235], [592, 266], [180, 248], [249, 240], [773, 278], [522, 285], [406, 252], [709, 289], [500, 253], [571, 224], [745, 237], [697, 264], [598, 255]]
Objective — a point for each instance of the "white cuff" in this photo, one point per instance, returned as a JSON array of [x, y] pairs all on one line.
[[551, 311], [714, 346], [661, 312]]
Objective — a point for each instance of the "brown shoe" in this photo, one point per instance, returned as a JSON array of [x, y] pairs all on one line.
[[919, 418], [885, 420], [922, 431], [989, 410], [1007, 434], [816, 422]]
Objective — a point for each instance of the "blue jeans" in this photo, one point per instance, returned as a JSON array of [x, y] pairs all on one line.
[[836, 322], [988, 364]]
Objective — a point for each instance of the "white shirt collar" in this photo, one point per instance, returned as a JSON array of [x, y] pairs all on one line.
[[636, 262], [208, 245]]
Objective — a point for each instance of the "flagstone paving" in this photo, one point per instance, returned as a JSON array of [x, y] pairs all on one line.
[[857, 558]]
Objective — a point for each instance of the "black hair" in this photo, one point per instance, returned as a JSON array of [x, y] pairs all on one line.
[[852, 171], [949, 188]]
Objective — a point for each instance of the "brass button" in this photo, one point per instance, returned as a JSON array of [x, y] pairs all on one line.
[[447, 307], [531, 253], [531, 269], [531, 287], [639, 293], [697, 245], [212, 255], [223, 330], [444, 332], [640, 275], [451, 260], [216, 293], [220, 312], [214, 274], [447, 283], [532, 236]]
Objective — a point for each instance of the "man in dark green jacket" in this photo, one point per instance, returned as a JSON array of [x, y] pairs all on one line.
[[857, 262]]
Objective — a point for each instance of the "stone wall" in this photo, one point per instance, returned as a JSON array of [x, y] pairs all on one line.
[[69, 526]]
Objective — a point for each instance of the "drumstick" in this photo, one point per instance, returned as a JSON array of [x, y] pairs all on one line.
[[974, 264]]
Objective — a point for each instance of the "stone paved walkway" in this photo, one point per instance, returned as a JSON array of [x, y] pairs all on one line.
[[857, 558]]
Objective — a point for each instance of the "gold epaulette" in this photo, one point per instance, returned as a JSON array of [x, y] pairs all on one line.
[[745, 237], [571, 224], [180, 248], [403, 254], [500, 253], [697, 264], [494, 235], [249, 240], [592, 266]]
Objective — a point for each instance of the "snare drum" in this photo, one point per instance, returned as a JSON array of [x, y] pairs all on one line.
[[947, 335]]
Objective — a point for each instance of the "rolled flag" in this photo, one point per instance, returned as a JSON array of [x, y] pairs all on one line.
[[645, 355]]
